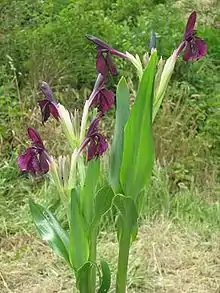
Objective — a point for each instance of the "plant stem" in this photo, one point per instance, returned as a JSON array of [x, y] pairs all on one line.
[[124, 247], [84, 288], [92, 258], [84, 121]]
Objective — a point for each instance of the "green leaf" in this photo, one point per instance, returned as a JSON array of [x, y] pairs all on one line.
[[103, 202], [89, 188], [106, 277], [50, 230], [127, 210], [138, 152], [78, 247], [127, 221], [122, 114], [82, 277]]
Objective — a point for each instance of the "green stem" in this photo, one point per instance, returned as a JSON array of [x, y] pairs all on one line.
[[124, 247], [84, 121], [92, 258], [83, 288]]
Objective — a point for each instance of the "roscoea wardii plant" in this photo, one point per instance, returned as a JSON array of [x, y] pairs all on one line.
[[78, 177]]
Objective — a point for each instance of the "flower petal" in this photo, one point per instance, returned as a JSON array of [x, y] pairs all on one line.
[[54, 110], [195, 50], [35, 137], [24, 159], [97, 146], [91, 150], [187, 53], [190, 24], [98, 42], [103, 100], [202, 47], [93, 128], [102, 145], [45, 88], [34, 165], [45, 110], [43, 162], [101, 64], [104, 46], [106, 100], [111, 66]]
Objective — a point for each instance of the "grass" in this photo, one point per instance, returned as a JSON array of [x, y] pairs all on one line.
[[165, 258]]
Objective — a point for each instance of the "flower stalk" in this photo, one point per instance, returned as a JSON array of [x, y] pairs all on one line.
[[124, 248], [84, 120], [92, 258]]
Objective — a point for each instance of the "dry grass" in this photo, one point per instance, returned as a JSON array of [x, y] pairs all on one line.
[[165, 258]]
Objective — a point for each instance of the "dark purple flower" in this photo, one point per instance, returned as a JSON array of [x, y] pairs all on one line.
[[35, 158], [48, 106], [194, 48], [104, 62], [97, 143], [101, 97], [103, 100]]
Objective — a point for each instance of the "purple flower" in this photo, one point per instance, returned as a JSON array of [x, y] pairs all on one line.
[[100, 97], [103, 100], [97, 143], [194, 48], [48, 106], [104, 62], [35, 158]]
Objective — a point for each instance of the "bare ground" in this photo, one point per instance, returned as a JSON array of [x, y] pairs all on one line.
[[165, 258]]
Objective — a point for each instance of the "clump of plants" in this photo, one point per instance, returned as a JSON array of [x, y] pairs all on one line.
[[85, 196]]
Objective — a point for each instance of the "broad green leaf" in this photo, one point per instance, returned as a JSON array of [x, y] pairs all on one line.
[[138, 152], [82, 277], [127, 221], [78, 247], [105, 278], [89, 188], [103, 202], [122, 114], [50, 230], [127, 210]]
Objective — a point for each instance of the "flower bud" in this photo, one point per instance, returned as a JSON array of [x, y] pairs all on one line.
[[163, 83], [67, 125]]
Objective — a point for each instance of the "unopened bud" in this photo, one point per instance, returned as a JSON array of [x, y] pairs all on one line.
[[67, 125], [164, 80], [152, 44]]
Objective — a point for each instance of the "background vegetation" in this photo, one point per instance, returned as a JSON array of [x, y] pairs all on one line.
[[45, 40]]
